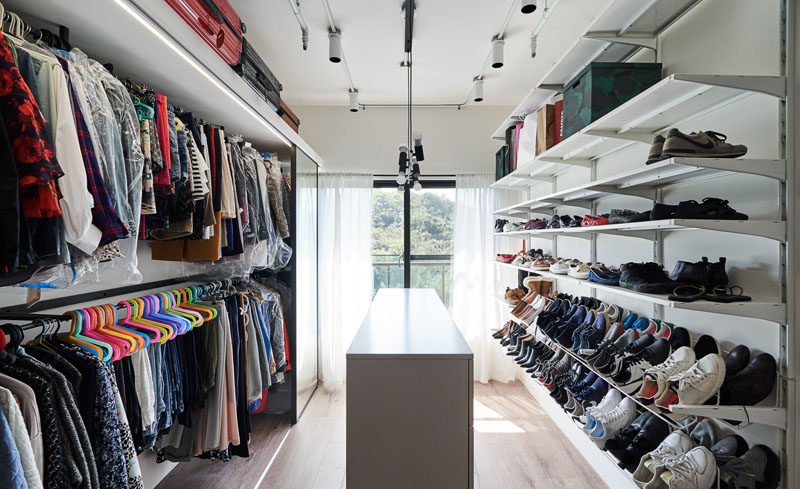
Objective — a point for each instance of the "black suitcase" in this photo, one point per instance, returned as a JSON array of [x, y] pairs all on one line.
[[255, 72]]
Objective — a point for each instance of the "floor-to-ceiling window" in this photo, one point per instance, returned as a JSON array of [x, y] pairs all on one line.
[[412, 236]]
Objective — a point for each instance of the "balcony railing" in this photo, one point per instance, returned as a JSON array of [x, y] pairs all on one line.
[[427, 271]]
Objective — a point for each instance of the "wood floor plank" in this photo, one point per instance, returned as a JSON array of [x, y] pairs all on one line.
[[517, 446]]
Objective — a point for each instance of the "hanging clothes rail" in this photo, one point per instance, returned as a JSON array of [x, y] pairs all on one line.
[[177, 372]]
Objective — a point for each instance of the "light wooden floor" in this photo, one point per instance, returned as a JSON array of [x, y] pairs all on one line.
[[517, 446]]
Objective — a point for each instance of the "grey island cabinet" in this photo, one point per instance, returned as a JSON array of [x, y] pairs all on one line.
[[409, 397]]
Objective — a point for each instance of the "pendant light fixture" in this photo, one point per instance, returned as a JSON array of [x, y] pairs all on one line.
[[477, 89], [335, 47], [411, 153], [497, 52], [528, 6]]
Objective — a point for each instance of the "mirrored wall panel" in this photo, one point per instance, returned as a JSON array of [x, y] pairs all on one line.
[[306, 248]]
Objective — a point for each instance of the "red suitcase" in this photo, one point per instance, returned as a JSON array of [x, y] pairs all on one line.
[[289, 117], [216, 22]]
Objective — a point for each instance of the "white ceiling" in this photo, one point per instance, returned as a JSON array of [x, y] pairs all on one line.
[[451, 41]]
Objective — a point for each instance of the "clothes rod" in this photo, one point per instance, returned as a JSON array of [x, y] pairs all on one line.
[[100, 294]]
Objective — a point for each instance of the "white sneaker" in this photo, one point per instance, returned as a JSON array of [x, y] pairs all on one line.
[[655, 378], [615, 313], [609, 402], [579, 271], [609, 424], [695, 470], [651, 464], [560, 268], [697, 384]]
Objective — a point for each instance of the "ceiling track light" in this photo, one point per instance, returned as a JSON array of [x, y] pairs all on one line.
[[335, 46], [497, 52], [477, 89], [353, 100], [528, 6]]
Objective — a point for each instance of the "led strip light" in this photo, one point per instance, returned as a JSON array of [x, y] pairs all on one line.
[[133, 12]]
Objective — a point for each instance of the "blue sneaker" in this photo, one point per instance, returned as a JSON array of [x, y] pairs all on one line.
[[604, 276], [592, 395], [628, 323], [587, 323], [641, 324], [570, 325], [586, 382]]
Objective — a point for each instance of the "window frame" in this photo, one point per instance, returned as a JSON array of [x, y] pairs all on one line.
[[436, 182]]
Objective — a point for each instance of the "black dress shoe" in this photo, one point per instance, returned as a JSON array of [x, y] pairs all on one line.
[[702, 273], [706, 345], [648, 278], [736, 360], [753, 384], [679, 337]]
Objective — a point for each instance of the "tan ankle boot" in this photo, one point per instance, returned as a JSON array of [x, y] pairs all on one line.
[[546, 287]]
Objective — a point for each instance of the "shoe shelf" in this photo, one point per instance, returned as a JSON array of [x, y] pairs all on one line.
[[645, 180], [649, 229], [553, 345], [674, 100], [502, 300], [756, 308], [769, 415], [622, 29]]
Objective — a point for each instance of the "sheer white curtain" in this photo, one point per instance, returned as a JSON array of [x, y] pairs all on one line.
[[345, 266], [474, 310]]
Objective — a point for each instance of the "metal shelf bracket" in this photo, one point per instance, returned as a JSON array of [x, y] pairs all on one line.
[[640, 40]]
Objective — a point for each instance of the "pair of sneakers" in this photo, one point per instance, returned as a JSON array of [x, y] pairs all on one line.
[[612, 414], [675, 464]]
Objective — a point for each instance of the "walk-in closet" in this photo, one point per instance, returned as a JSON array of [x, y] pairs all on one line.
[[317, 244]]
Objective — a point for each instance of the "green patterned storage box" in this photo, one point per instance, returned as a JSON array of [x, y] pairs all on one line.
[[601, 88]]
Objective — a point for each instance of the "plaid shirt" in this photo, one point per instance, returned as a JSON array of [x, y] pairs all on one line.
[[104, 215]]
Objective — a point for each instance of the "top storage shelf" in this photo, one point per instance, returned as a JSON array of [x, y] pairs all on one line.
[[620, 31], [670, 102], [149, 42]]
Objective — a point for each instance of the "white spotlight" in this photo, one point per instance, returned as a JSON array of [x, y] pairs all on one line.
[[528, 6], [335, 46], [477, 90], [417, 186], [353, 100], [497, 53]]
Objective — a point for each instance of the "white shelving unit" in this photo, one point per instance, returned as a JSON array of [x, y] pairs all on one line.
[[649, 229], [756, 308], [624, 27], [674, 101]]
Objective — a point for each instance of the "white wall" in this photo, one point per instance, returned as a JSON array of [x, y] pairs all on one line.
[[455, 141]]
